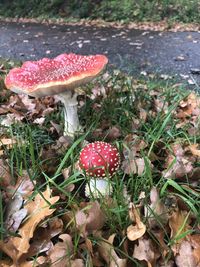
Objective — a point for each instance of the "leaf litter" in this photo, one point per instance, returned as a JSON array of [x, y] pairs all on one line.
[[152, 220]]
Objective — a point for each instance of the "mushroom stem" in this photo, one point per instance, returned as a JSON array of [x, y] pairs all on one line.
[[71, 121]]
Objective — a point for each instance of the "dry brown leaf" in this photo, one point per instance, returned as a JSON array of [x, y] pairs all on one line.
[[177, 165], [135, 145], [41, 240], [6, 263], [114, 133], [11, 119], [145, 251], [161, 105], [66, 174], [194, 150], [178, 223], [90, 219], [190, 104], [8, 248], [14, 213], [185, 256], [160, 236], [133, 163], [76, 263], [107, 252], [169, 263], [38, 209], [135, 166], [24, 185], [28, 102], [156, 211], [39, 121], [5, 175], [138, 229], [143, 114], [38, 262], [195, 242], [189, 112], [6, 143], [61, 253]]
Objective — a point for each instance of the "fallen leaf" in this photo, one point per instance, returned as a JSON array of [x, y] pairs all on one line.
[[61, 252], [90, 219], [39, 121], [76, 263], [163, 247], [189, 106], [113, 133], [179, 225], [37, 210], [28, 102], [24, 185], [138, 229], [156, 211], [14, 213], [177, 164], [134, 166], [145, 251], [194, 150], [11, 119], [39, 261], [5, 175], [195, 242], [41, 240], [185, 255], [107, 252], [6, 143]]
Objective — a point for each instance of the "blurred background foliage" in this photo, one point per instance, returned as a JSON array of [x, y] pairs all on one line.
[[112, 10]]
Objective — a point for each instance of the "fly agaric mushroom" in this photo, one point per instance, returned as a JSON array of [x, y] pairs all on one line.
[[99, 159], [58, 76]]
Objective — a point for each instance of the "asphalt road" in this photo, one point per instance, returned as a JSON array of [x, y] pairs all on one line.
[[134, 51]]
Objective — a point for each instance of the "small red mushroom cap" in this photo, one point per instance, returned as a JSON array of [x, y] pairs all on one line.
[[99, 159], [53, 76]]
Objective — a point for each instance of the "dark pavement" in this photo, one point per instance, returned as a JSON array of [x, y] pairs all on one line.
[[134, 51]]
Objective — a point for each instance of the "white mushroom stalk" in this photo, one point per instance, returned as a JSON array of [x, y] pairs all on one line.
[[71, 120], [98, 188]]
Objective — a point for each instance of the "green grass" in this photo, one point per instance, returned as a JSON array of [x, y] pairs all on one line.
[[120, 106], [114, 10]]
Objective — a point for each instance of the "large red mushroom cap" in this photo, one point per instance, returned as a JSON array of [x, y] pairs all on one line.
[[99, 159], [54, 76]]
